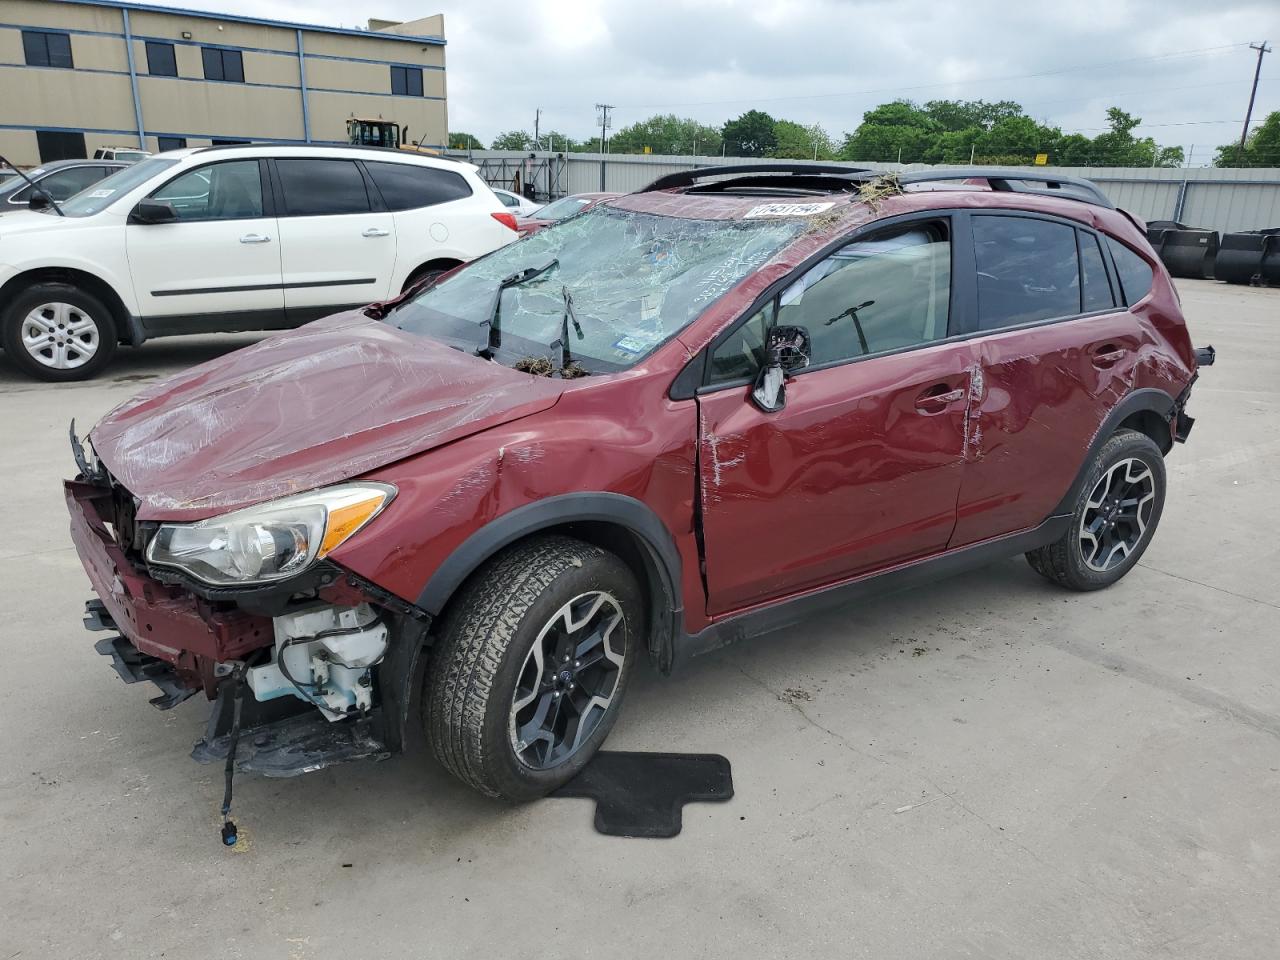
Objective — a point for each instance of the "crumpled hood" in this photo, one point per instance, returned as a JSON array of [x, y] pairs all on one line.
[[314, 406]]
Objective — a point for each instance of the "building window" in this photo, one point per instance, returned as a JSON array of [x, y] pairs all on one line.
[[406, 81], [222, 64], [47, 49], [171, 143], [160, 59], [60, 145]]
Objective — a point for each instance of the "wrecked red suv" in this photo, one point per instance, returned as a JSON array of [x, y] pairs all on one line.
[[691, 414]]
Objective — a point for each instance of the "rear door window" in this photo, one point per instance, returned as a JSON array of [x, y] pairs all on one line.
[[1135, 273], [1093, 273], [315, 187], [407, 186], [1028, 270]]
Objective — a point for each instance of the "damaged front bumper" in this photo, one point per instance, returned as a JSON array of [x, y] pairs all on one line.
[[342, 707]]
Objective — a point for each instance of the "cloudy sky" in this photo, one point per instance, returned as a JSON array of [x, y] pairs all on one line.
[[1184, 66]]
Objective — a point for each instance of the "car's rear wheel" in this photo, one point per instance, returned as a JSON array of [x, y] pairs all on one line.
[[1115, 516], [55, 331], [528, 677]]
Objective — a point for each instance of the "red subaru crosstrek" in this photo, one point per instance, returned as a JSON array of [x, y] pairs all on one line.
[[689, 415]]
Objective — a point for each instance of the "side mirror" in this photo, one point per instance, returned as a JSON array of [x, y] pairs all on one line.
[[38, 201], [153, 211], [786, 349]]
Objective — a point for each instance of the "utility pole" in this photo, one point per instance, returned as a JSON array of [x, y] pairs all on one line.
[[603, 109], [537, 117], [1257, 72]]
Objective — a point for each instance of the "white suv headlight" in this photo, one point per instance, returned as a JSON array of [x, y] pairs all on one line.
[[272, 541]]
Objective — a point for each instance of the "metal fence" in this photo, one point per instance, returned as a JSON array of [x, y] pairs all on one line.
[[1226, 200]]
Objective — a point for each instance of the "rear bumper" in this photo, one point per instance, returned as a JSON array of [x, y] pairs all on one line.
[[159, 620], [1182, 423]]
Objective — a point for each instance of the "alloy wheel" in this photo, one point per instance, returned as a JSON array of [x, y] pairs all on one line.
[[60, 336], [568, 680], [1116, 514]]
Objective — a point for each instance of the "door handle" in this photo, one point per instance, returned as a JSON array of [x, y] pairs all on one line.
[[937, 398], [376, 232], [254, 238], [1108, 355]]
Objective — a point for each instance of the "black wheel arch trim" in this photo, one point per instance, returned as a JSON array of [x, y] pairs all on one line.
[[1144, 399], [662, 560]]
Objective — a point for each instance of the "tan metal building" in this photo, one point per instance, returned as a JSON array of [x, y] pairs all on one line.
[[76, 75]]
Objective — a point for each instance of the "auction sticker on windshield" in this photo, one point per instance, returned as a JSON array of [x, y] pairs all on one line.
[[787, 210]]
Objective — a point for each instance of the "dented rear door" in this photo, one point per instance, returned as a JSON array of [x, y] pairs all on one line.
[[1059, 354]]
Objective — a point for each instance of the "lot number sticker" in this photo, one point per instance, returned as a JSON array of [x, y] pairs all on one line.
[[787, 210]]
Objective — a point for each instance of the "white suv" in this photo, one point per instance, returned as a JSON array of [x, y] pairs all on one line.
[[232, 238]]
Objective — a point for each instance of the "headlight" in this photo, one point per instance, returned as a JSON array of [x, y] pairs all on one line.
[[272, 541]]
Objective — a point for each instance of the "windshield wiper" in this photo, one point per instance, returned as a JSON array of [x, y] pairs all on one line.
[[569, 316], [34, 186], [495, 308]]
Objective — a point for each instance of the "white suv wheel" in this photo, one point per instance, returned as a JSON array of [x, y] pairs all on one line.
[[60, 336]]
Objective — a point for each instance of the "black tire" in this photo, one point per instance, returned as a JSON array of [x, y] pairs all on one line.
[[422, 279], [1116, 535], [483, 660], [79, 306]]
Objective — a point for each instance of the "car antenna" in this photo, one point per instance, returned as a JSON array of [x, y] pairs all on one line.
[[34, 186], [569, 316], [495, 307]]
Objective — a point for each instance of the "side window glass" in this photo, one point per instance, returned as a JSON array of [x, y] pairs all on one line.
[[1097, 289], [1135, 273], [508, 200], [65, 184], [1027, 271], [739, 357], [880, 294], [223, 191], [314, 188], [407, 186]]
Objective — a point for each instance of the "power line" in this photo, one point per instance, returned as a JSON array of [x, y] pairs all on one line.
[[929, 86]]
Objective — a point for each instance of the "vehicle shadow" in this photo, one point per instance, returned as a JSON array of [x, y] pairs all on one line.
[[153, 360]]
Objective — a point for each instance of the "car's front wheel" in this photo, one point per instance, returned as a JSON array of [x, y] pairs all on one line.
[[1115, 516], [527, 678], [55, 331]]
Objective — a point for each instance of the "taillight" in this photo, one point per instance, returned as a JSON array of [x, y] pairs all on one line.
[[508, 220]]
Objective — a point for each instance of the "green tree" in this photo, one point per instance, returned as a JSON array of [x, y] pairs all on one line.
[[461, 140], [555, 141], [892, 130], [751, 135], [795, 141], [667, 134], [512, 140], [1261, 149]]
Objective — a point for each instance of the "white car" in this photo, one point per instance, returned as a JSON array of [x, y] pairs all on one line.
[[520, 206], [246, 237]]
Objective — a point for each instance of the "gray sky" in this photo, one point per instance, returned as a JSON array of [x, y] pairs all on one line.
[[1182, 65]]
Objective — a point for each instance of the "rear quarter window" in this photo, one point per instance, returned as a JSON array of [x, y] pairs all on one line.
[[1135, 273], [406, 186]]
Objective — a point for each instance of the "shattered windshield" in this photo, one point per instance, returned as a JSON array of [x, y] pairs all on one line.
[[634, 280]]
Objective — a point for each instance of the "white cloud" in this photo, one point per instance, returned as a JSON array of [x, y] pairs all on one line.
[[827, 61]]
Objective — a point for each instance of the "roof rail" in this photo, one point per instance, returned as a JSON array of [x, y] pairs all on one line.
[[1054, 184], [687, 178]]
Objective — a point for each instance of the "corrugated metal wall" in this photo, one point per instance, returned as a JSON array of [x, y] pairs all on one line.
[[1224, 200]]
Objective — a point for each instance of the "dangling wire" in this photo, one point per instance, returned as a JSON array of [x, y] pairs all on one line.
[[229, 833]]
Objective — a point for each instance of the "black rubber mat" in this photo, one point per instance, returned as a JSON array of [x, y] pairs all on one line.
[[643, 794]]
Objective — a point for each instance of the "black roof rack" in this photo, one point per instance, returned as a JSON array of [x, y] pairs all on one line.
[[286, 144], [687, 178], [998, 178], [1017, 180]]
